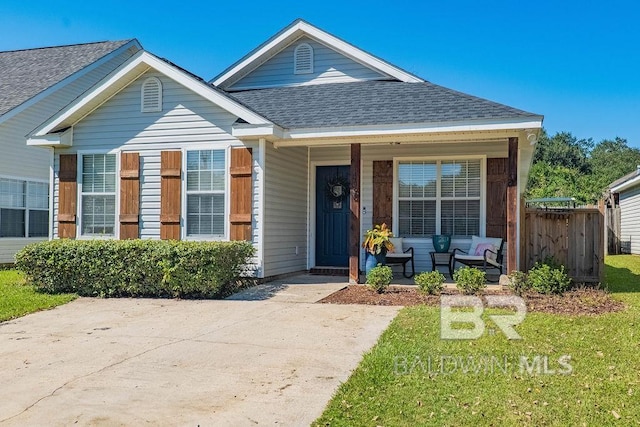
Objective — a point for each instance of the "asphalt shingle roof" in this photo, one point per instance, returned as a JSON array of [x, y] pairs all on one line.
[[26, 73], [371, 103]]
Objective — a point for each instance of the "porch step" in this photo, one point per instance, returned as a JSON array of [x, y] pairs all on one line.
[[329, 271]]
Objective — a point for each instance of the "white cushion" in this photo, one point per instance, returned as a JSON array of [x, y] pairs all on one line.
[[475, 241], [397, 245]]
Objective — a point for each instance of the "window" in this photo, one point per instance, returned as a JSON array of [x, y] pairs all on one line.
[[205, 193], [439, 197], [303, 59], [98, 195], [151, 95], [24, 208]]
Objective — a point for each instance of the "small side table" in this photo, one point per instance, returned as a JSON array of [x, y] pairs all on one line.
[[441, 259]]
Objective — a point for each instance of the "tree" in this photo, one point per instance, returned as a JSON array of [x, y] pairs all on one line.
[[612, 159], [563, 149], [564, 166]]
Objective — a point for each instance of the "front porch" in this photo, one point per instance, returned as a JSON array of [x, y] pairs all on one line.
[[473, 190]]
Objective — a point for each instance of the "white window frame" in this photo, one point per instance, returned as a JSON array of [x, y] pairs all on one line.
[[158, 106], [296, 68], [483, 189], [227, 197], [116, 226], [26, 207]]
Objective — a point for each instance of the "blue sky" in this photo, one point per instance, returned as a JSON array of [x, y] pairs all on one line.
[[575, 62]]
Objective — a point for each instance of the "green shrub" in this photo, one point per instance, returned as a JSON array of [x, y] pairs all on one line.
[[379, 278], [137, 268], [470, 280], [430, 282], [517, 282], [545, 279]]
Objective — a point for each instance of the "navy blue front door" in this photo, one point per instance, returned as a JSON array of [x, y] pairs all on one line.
[[332, 218]]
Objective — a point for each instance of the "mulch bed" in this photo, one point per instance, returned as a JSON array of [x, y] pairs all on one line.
[[583, 301]]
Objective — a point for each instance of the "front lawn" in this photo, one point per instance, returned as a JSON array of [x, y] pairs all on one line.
[[18, 299], [566, 370]]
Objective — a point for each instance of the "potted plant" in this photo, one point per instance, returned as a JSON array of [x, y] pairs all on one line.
[[377, 243]]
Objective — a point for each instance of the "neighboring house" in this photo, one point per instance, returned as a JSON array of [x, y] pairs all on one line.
[[300, 146], [626, 195], [34, 85]]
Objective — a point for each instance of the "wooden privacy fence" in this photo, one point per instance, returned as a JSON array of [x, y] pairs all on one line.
[[574, 237]]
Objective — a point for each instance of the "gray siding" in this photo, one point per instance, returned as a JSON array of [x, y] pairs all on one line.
[[285, 239], [329, 67], [630, 218], [187, 121], [21, 161], [340, 155]]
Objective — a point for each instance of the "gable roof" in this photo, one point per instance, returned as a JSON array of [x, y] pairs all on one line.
[[26, 73], [626, 182], [294, 31], [371, 103], [54, 131]]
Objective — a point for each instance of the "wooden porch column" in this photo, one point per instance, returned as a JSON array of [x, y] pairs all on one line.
[[354, 222], [512, 207]]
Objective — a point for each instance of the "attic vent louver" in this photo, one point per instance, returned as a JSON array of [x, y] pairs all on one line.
[[303, 59], [151, 95]]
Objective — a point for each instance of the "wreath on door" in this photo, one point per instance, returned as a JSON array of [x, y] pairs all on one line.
[[337, 189]]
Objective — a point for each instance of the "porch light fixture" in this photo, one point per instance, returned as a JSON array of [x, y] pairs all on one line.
[[531, 137]]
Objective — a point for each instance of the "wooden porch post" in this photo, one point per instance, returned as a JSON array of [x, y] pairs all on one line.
[[512, 207], [354, 222]]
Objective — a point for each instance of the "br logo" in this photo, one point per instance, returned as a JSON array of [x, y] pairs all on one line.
[[505, 322]]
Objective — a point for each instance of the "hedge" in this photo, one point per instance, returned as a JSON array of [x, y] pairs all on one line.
[[137, 268]]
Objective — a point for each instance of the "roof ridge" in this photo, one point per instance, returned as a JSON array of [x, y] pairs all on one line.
[[123, 41]]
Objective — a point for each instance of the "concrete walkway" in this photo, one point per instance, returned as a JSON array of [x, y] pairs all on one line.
[[267, 356]]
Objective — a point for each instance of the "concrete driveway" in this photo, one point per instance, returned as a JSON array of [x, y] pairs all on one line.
[[269, 356]]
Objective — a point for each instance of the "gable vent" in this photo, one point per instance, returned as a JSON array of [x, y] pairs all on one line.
[[303, 59], [151, 95]]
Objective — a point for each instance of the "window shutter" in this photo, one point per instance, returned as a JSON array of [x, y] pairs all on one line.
[[241, 193], [151, 95], [303, 59], [170, 199], [497, 197], [382, 192], [67, 196], [129, 195]]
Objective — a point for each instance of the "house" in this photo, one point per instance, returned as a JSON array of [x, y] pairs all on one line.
[[34, 85], [625, 194], [299, 147]]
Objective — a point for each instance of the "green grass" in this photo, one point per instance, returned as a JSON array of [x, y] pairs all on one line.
[[395, 386], [18, 299]]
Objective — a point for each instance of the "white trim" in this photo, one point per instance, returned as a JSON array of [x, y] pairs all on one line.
[[227, 193], [52, 159], [70, 79], [626, 185], [260, 179], [311, 262], [483, 189], [296, 30], [69, 115], [79, 182], [418, 128]]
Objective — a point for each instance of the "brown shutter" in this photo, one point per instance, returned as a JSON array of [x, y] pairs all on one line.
[[241, 193], [497, 197], [382, 192], [129, 195], [68, 196], [170, 199]]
